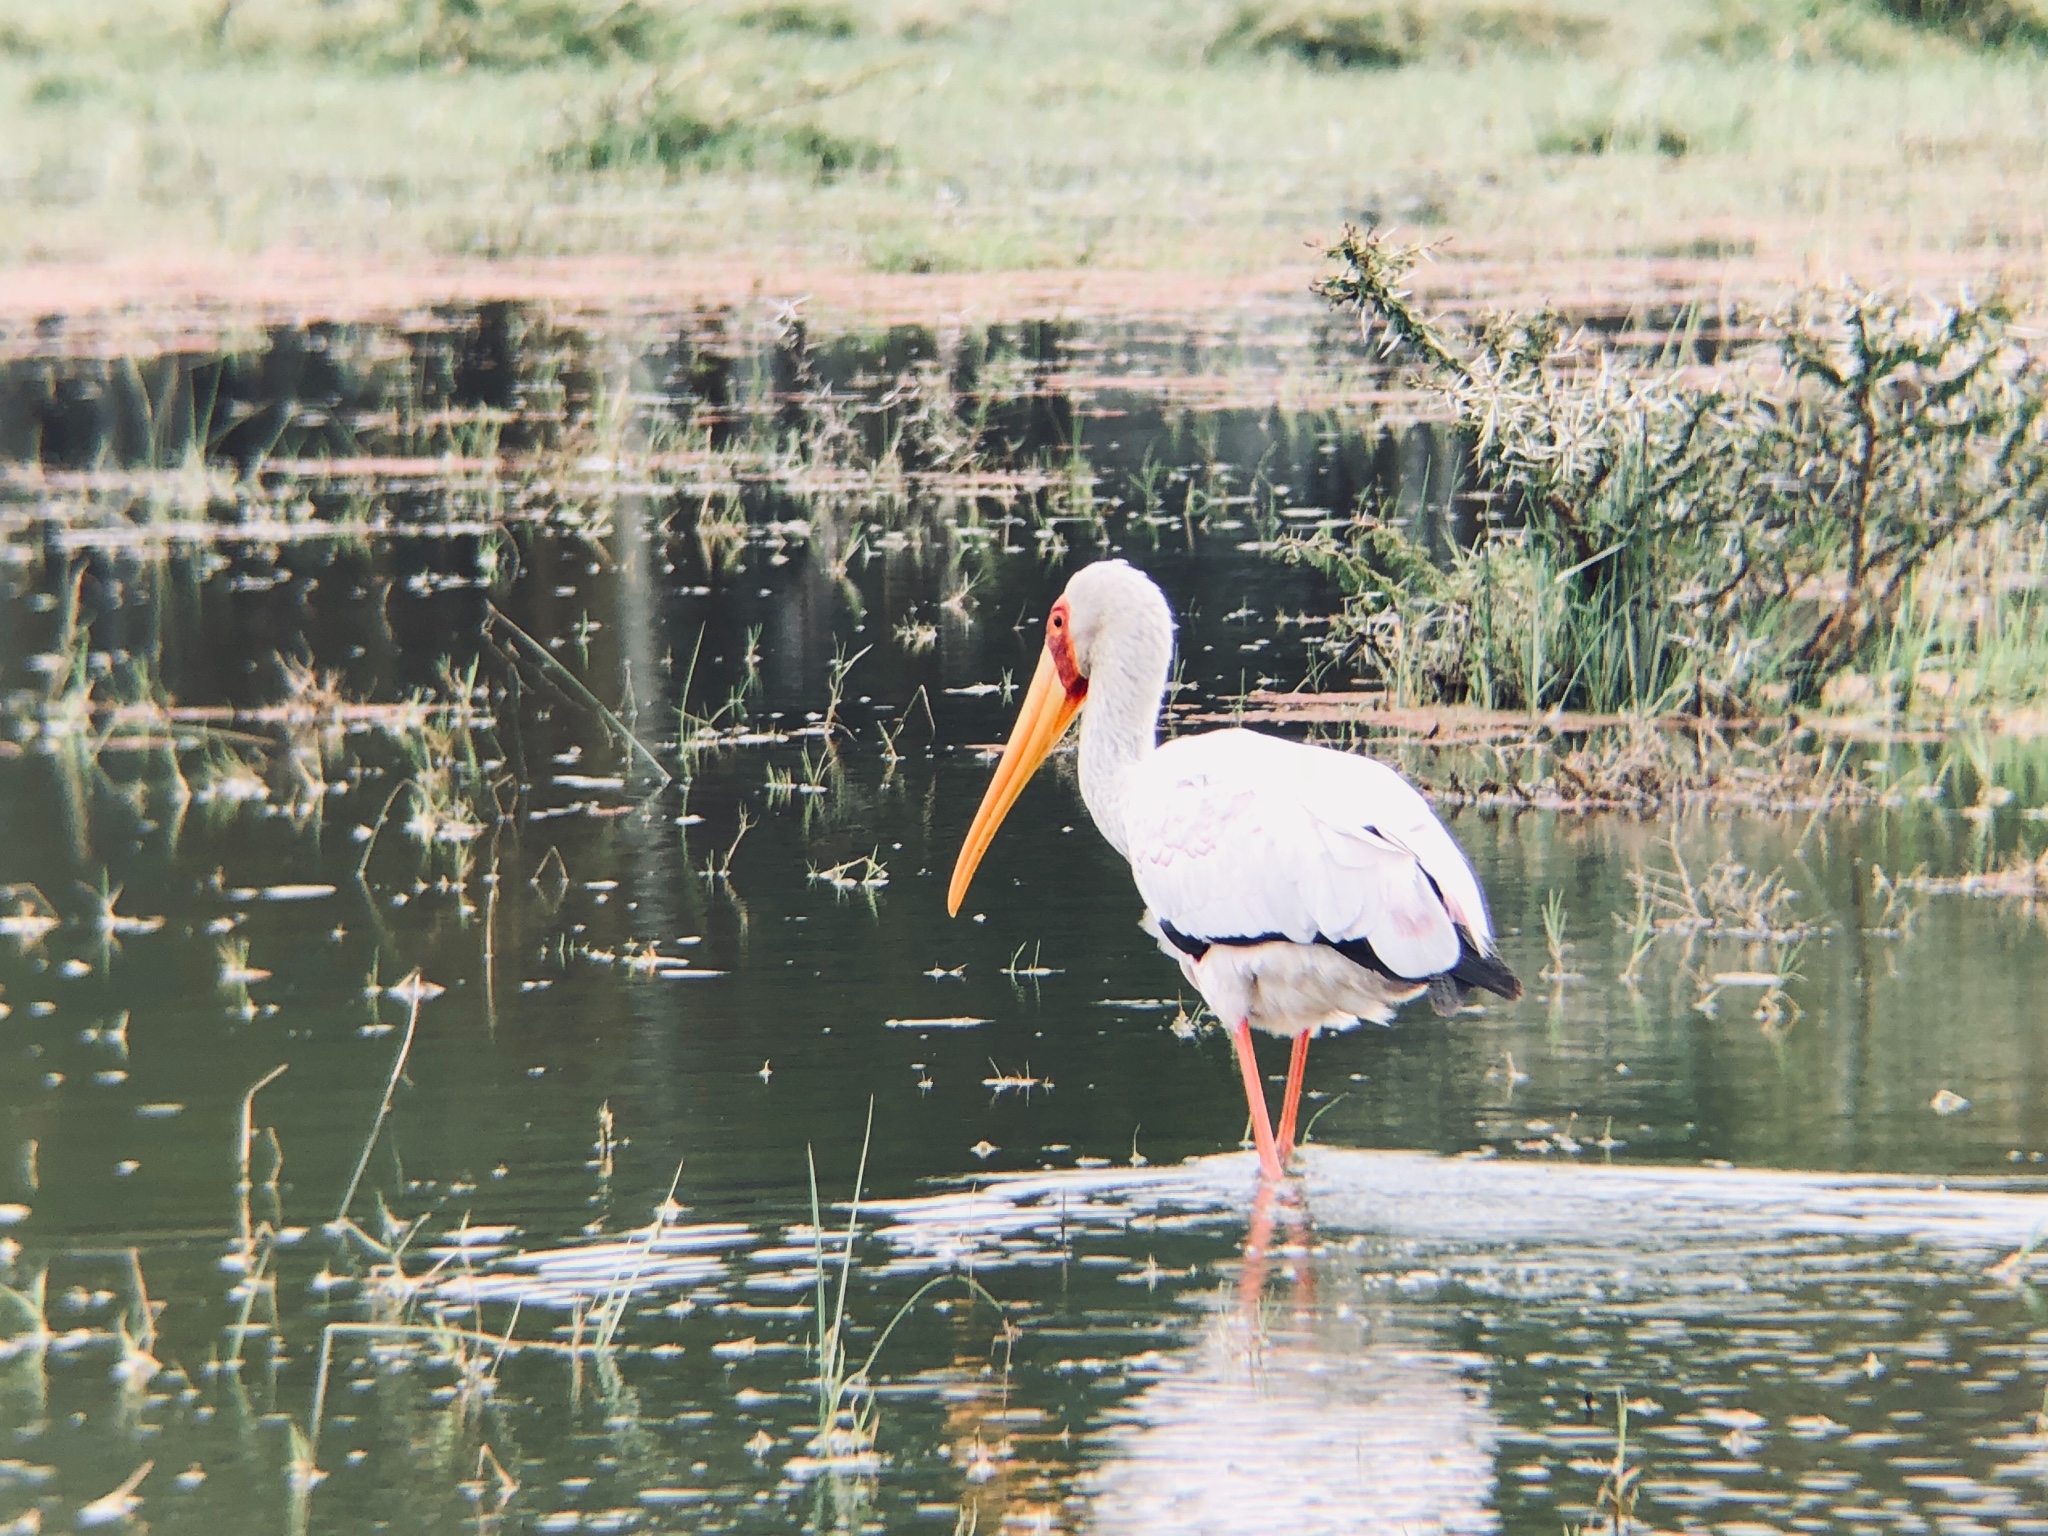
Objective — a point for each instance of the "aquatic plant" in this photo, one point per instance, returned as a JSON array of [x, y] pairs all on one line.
[[561, 675], [848, 1408], [1558, 969], [1621, 1487], [1728, 901]]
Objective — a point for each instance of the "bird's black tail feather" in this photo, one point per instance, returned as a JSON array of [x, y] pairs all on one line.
[[1486, 972]]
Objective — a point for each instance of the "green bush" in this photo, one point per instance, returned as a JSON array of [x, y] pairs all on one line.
[[1666, 541]]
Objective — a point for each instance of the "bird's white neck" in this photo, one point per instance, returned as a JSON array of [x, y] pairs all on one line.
[[1120, 723]]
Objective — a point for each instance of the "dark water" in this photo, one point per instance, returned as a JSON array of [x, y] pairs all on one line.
[[1506, 1220]]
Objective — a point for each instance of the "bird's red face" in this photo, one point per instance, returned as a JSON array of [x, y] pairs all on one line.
[[1058, 690], [1059, 645]]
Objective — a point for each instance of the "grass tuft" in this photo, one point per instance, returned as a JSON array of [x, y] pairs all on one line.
[[514, 34], [1379, 34], [1982, 23], [1615, 130], [800, 20], [664, 129]]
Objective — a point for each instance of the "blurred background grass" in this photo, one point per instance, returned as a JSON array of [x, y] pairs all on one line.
[[915, 136]]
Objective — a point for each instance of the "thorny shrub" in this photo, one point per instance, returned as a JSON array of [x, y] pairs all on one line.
[[1669, 537]]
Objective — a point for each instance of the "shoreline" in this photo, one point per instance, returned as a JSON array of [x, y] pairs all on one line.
[[145, 305]]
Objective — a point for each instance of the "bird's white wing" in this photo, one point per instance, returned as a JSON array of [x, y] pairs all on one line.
[[1235, 835]]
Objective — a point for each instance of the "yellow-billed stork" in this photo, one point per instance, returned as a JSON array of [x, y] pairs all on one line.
[[1299, 887]]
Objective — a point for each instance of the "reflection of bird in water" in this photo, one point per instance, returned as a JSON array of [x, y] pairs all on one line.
[[1300, 888], [1334, 1418]]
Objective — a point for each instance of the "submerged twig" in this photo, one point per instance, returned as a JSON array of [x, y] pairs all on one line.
[[554, 667], [244, 1140], [412, 1020]]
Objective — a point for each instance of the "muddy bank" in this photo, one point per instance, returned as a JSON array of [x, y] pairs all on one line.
[[168, 301]]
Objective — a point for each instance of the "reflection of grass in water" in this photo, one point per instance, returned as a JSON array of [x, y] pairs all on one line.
[[408, 1313], [611, 1308], [465, 1354], [2021, 876], [1558, 969], [1642, 936], [843, 1363]]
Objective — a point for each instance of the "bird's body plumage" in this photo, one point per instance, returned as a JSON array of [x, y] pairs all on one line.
[[1263, 861], [1300, 888]]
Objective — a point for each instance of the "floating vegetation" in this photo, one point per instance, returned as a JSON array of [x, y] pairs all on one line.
[[862, 874], [2023, 877], [1727, 902]]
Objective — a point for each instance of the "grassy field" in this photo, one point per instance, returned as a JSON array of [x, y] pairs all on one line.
[[1811, 135]]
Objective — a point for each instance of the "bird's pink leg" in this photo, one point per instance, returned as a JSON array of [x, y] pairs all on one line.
[[1258, 1243], [1255, 1097], [1290, 1106]]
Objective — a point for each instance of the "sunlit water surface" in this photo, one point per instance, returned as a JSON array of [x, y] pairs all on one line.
[[1780, 1232]]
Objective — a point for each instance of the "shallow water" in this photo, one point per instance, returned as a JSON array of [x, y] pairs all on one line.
[[1506, 1220]]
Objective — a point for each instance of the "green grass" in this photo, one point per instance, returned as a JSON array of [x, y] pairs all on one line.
[[899, 136]]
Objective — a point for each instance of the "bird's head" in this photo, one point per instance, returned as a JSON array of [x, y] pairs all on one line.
[[1111, 618]]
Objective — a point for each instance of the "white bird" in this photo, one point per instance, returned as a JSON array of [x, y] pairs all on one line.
[[1299, 887]]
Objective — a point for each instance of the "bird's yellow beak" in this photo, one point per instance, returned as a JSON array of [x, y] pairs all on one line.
[[1048, 710]]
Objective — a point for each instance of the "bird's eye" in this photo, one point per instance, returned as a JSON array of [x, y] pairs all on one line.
[[1059, 621]]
